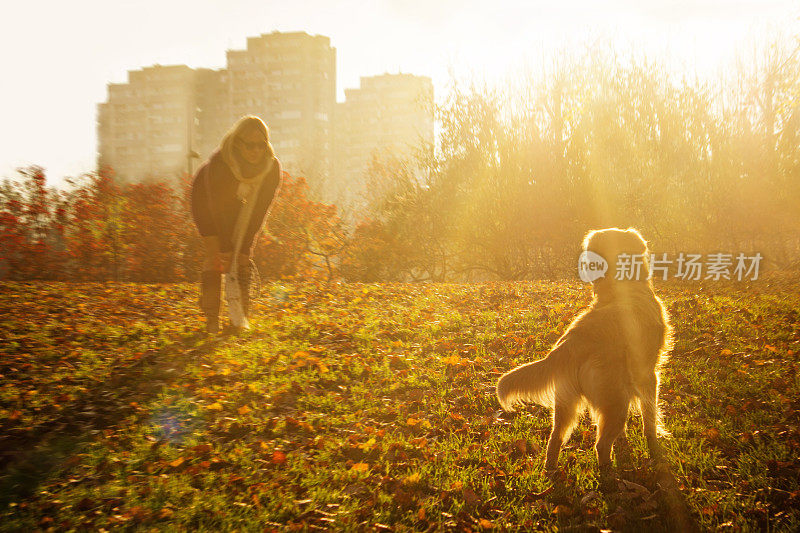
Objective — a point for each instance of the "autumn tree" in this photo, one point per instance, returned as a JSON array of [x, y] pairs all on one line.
[[304, 237], [96, 228], [32, 219], [598, 140], [156, 232]]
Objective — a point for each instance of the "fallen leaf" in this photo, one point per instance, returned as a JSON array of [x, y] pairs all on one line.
[[470, 497], [562, 511], [278, 457], [412, 478]]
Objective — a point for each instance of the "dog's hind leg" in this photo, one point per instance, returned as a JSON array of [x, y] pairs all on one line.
[[564, 415], [612, 414], [622, 451], [648, 398]]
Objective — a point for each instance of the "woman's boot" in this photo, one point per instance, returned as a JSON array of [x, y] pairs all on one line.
[[211, 299]]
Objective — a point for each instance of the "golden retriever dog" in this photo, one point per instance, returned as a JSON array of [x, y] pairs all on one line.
[[608, 359]]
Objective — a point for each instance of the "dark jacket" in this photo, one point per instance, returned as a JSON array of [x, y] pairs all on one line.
[[215, 206]]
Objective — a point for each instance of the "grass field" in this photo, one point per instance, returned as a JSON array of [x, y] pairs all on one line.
[[371, 407]]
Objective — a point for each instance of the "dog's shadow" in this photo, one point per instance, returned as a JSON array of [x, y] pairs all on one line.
[[639, 494]]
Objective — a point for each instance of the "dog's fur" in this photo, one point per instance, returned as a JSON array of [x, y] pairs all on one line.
[[608, 359]]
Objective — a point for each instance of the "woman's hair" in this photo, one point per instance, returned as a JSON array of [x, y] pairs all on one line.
[[230, 155], [251, 123]]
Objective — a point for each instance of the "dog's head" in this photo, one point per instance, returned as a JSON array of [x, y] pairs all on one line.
[[625, 251]]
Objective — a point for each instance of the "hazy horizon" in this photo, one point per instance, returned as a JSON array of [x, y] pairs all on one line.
[[61, 58]]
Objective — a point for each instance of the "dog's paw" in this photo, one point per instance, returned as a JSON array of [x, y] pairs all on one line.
[[555, 475], [656, 452], [623, 453]]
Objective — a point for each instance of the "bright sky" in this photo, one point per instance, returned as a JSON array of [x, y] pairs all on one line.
[[57, 57]]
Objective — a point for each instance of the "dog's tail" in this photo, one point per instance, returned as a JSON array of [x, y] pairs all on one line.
[[531, 382]]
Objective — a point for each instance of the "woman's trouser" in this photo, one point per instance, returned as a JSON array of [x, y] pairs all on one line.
[[214, 264]]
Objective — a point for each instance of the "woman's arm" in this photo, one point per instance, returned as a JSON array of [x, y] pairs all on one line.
[[223, 206], [201, 207]]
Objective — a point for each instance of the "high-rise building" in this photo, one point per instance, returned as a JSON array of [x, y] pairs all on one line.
[[387, 113], [145, 127], [289, 79], [166, 119], [150, 126], [212, 119]]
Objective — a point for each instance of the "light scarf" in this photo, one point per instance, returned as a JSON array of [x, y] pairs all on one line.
[[246, 192]]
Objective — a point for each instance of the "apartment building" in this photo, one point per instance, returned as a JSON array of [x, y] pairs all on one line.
[[145, 127], [212, 119], [166, 119], [150, 126], [288, 79], [386, 113]]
